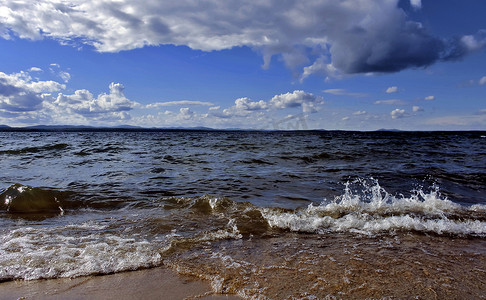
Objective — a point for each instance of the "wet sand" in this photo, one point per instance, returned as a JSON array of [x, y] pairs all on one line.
[[285, 266], [157, 283], [341, 266]]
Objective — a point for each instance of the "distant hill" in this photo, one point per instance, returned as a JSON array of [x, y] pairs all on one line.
[[389, 130], [74, 128], [127, 127], [55, 127]]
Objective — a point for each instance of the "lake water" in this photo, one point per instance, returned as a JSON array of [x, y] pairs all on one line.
[[269, 215]]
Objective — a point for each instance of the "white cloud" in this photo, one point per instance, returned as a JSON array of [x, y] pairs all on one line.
[[297, 98], [398, 113], [354, 36], [243, 107], [482, 81], [19, 92], [391, 102], [392, 89], [360, 112], [24, 100], [176, 103], [35, 69], [65, 76], [246, 113], [56, 70], [246, 104], [417, 4], [82, 102], [429, 98], [185, 113], [343, 92], [320, 67], [417, 108], [472, 43]]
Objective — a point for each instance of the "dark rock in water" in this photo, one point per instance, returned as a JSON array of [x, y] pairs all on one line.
[[20, 199]]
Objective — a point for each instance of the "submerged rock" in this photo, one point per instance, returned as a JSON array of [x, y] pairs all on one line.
[[24, 200]]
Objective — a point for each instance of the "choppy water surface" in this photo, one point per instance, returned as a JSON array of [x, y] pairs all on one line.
[[260, 214]]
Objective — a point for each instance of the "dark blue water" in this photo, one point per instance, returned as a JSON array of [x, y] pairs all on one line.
[[81, 203], [284, 169]]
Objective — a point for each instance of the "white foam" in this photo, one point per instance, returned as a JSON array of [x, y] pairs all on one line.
[[373, 210], [30, 253], [231, 232]]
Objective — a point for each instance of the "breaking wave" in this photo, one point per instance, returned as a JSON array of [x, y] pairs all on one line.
[[32, 202], [131, 239], [30, 253], [369, 208]]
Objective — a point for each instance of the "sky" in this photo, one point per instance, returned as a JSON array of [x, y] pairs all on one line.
[[269, 64]]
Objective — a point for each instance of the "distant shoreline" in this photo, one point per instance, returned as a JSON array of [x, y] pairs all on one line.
[[68, 128]]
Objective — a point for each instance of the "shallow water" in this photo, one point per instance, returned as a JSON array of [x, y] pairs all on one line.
[[259, 214]]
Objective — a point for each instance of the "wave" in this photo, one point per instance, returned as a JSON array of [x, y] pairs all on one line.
[[136, 238], [29, 253], [32, 202], [25, 150], [108, 241], [37, 203], [370, 209], [364, 207]]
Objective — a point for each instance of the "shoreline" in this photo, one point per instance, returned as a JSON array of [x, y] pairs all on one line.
[[155, 283]]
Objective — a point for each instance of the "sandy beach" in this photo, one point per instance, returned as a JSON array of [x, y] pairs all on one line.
[[157, 283]]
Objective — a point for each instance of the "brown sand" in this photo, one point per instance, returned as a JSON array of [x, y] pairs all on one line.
[[157, 283]]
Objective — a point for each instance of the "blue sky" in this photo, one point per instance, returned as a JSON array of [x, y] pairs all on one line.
[[352, 64]]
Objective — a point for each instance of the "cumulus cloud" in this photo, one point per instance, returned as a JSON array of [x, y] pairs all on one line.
[[28, 100], [84, 103], [330, 37], [185, 113], [391, 90], [243, 107], [307, 101], [398, 113], [245, 111], [24, 99], [20, 92], [246, 104], [429, 98]]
